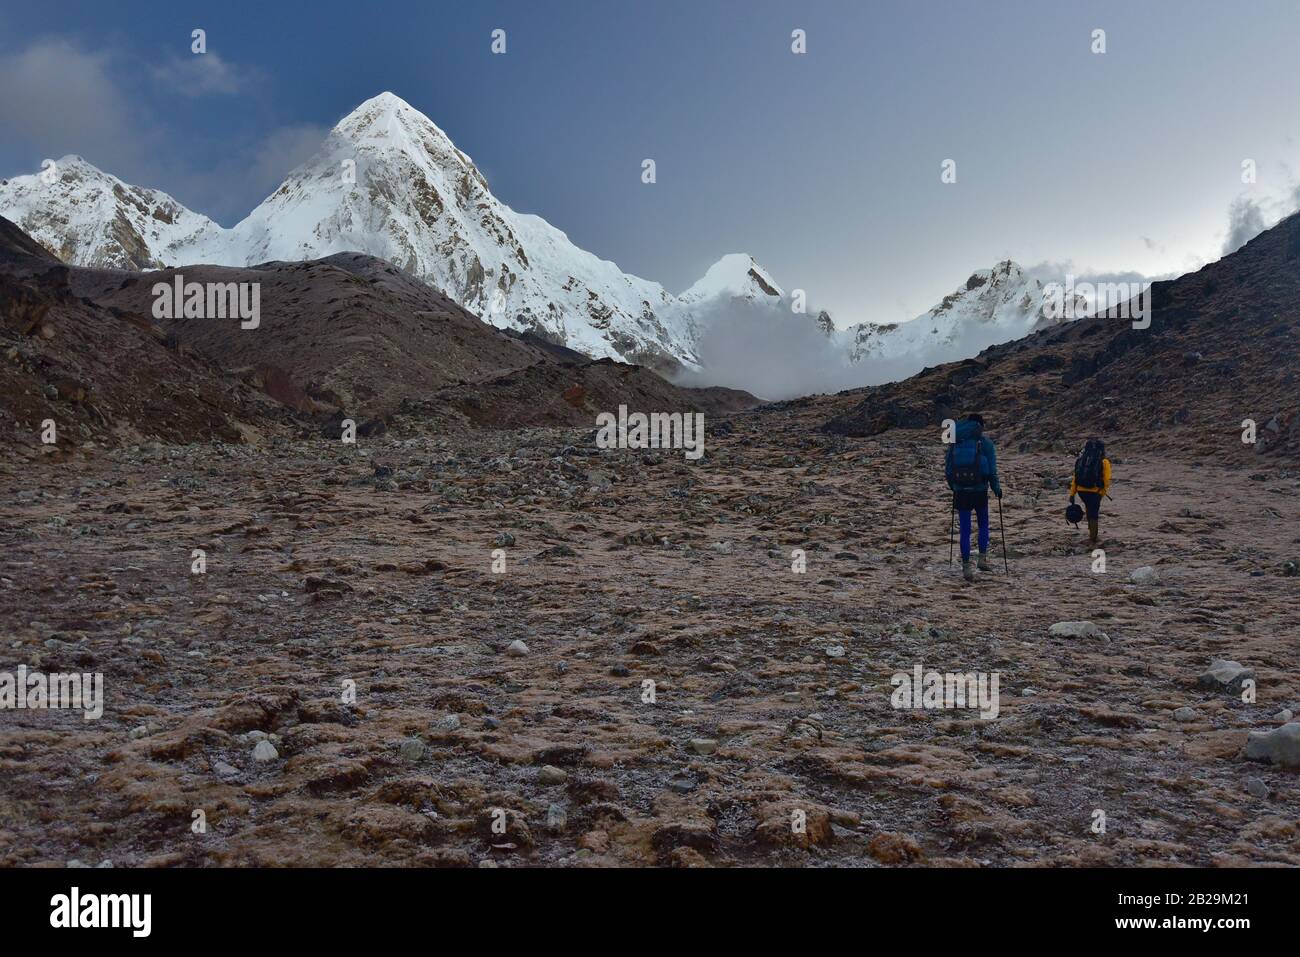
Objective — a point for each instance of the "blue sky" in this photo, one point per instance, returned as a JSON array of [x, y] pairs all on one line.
[[824, 166]]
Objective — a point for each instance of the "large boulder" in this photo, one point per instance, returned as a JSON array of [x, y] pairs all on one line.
[[1280, 746]]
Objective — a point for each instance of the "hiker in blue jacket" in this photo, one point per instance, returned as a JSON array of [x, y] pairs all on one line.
[[971, 467]]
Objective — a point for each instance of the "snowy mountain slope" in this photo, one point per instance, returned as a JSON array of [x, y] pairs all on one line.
[[90, 218], [734, 276], [993, 306]]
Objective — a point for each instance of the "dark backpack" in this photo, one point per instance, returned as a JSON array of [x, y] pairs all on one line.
[[969, 467], [1087, 467]]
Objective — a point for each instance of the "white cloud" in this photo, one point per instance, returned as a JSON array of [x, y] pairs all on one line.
[[62, 99], [1056, 271], [1246, 220], [74, 100], [1249, 216], [203, 74]]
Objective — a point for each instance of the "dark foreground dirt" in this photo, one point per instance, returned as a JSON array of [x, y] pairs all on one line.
[[621, 568]]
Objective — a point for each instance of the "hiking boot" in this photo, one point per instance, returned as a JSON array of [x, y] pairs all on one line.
[[966, 572], [1093, 531], [984, 565]]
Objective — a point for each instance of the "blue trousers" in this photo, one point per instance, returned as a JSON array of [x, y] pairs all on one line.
[[981, 508]]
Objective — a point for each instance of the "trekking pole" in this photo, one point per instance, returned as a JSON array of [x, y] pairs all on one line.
[[951, 525], [1003, 526]]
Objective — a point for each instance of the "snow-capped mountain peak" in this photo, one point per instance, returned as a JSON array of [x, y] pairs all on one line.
[[388, 124], [993, 305], [734, 276], [388, 182], [91, 218]]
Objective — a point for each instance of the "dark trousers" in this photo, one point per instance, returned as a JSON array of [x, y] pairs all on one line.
[[1091, 504]]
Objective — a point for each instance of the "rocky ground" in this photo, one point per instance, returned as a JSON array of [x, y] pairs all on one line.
[[516, 698]]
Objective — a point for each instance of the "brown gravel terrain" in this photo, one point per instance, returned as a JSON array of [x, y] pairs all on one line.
[[373, 564]]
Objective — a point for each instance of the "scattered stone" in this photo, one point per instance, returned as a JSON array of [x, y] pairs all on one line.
[[1257, 787], [835, 651], [1280, 746], [1185, 714], [683, 784], [1078, 629], [1223, 673], [447, 723], [557, 818], [517, 649], [265, 751], [703, 745], [412, 749], [1143, 575], [550, 775]]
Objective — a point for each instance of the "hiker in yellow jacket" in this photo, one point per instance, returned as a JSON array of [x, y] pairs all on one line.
[[1090, 481]]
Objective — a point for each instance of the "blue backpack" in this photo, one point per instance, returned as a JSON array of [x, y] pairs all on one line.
[[969, 466]]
